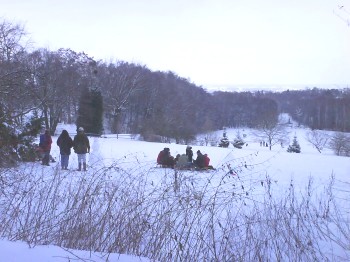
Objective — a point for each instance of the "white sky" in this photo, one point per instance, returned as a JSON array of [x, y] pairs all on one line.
[[212, 43]]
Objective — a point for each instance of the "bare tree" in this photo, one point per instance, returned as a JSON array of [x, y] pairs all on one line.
[[13, 73], [119, 82], [46, 72], [272, 132], [317, 139], [277, 134], [342, 12], [340, 144], [79, 71], [299, 114], [56, 81], [211, 138], [13, 39]]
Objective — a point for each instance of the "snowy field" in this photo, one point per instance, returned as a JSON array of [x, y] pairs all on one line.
[[252, 167], [253, 159]]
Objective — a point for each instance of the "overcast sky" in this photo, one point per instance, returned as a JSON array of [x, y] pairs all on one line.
[[212, 43]]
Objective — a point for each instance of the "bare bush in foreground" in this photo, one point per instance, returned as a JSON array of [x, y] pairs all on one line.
[[217, 216]]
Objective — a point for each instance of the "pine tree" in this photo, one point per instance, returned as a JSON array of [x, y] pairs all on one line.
[[16, 141], [238, 141], [224, 142], [97, 116], [90, 112], [295, 147], [25, 148], [8, 142], [84, 109]]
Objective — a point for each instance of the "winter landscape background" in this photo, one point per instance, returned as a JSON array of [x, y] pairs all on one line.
[[280, 188], [288, 206]]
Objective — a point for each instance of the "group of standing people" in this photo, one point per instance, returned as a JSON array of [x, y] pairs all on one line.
[[80, 144], [184, 161]]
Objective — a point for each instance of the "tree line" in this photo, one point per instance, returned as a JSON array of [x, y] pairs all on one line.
[[322, 109], [122, 97]]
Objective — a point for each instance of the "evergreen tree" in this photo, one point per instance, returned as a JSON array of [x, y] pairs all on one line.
[[84, 112], [8, 142], [16, 142], [96, 126], [224, 142], [295, 147], [238, 141], [25, 148], [90, 112]]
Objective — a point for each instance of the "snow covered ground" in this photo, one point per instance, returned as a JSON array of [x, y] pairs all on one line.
[[253, 161], [21, 252]]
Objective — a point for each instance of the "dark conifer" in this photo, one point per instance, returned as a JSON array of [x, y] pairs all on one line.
[[224, 142], [295, 147], [90, 112]]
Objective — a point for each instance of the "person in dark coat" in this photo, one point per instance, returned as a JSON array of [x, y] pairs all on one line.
[[65, 143], [81, 146], [200, 161], [45, 147], [189, 154], [177, 158]]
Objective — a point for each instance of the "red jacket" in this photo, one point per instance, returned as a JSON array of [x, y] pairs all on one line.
[[45, 142], [206, 161], [160, 157]]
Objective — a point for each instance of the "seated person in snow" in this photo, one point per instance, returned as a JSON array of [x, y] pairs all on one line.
[[182, 162], [177, 158], [161, 156], [206, 162], [165, 159], [199, 162]]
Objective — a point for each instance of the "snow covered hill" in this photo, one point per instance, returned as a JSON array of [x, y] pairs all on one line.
[[253, 166]]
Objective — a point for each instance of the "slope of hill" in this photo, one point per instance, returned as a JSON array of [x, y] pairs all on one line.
[[256, 170]]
